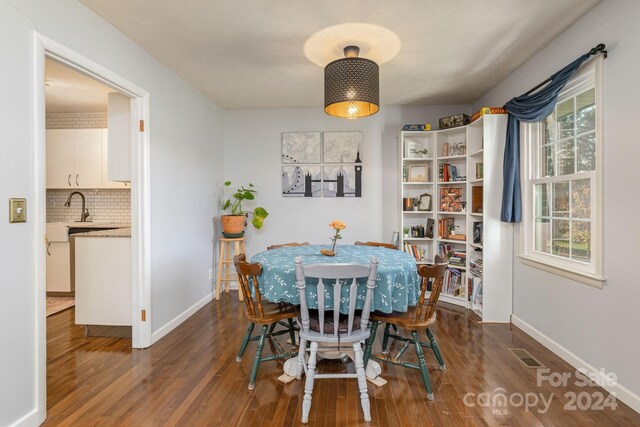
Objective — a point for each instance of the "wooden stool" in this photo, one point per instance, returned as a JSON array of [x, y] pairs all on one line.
[[225, 262]]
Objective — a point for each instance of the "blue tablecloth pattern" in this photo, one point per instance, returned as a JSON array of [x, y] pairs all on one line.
[[397, 284]]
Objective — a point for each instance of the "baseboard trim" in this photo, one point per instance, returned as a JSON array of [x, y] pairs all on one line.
[[28, 420], [622, 393], [176, 321]]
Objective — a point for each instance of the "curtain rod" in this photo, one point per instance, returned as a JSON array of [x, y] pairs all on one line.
[[594, 51]]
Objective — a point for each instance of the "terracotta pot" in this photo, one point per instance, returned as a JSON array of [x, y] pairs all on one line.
[[233, 224]]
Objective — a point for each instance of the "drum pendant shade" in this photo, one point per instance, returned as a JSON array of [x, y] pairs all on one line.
[[351, 86]]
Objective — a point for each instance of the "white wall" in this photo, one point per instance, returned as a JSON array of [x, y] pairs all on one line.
[[186, 175], [596, 327], [252, 153]]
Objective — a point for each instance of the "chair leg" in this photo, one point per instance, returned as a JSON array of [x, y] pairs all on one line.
[[308, 385], [245, 341], [423, 365], [292, 333], [436, 349], [258, 356], [369, 344], [362, 382], [272, 327], [301, 361], [385, 339]]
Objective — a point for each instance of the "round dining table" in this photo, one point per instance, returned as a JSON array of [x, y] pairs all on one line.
[[397, 286], [397, 283]]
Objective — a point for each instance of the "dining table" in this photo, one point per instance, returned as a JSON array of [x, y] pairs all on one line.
[[397, 282]]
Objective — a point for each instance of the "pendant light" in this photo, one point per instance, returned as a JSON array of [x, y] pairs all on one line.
[[351, 86]]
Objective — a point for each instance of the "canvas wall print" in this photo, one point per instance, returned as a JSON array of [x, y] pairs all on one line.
[[342, 147], [301, 147], [301, 181], [342, 181]]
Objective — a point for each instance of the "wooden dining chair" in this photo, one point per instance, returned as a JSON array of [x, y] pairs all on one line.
[[377, 244], [330, 327], [263, 313], [420, 317], [284, 245]]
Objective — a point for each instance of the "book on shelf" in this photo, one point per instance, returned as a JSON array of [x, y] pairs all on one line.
[[416, 251], [461, 237], [444, 227], [458, 258], [445, 149], [452, 282], [488, 110], [418, 127], [449, 173], [479, 170], [451, 199]]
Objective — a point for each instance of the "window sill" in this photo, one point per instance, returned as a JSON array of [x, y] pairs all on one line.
[[586, 278]]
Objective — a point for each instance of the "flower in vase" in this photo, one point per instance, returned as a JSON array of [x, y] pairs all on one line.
[[337, 225]]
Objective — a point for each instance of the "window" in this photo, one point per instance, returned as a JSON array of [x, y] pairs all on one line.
[[562, 198]]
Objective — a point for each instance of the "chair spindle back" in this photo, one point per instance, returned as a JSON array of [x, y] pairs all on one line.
[[248, 274], [435, 273], [331, 278]]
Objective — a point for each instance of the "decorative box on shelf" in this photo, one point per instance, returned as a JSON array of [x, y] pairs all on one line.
[[488, 110], [420, 127], [454, 121]]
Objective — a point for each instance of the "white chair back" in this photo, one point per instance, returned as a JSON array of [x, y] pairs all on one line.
[[332, 278]]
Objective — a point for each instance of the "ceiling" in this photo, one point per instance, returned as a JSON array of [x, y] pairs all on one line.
[[68, 91], [251, 53]]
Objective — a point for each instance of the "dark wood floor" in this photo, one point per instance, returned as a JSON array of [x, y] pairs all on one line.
[[190, 378]]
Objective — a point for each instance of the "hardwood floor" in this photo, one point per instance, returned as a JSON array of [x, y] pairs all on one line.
[[190, 378]]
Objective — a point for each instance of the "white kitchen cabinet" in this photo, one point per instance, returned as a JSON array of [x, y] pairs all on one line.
[[106, 183], [74, 158], [119, 124], [58, 267], [88, 158], [61, 155]]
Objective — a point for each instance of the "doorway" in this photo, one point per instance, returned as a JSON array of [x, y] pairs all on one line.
[[46, 49]]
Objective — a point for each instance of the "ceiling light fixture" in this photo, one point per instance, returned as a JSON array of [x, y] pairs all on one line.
[[351, 86]]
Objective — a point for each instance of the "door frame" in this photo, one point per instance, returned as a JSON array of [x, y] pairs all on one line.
[[140, 198]]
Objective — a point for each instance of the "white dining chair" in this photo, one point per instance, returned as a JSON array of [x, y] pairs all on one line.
[[331, 328]]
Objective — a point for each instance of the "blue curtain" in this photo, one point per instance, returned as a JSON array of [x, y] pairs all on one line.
[[528, 108]]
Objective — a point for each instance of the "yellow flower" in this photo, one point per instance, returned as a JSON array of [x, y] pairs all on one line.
[[338, 225]]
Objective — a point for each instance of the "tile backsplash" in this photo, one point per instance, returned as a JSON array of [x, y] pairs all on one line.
[[103, 205], [76, 120]]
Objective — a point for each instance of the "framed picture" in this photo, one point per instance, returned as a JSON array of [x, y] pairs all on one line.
[[417, 173], [425, 202], [342, 147], [411, 149], [301, 147]]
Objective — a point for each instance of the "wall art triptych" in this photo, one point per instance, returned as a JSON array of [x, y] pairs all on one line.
[[322, 164]]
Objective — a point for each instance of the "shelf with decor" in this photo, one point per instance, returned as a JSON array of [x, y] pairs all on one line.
[[460, 164]]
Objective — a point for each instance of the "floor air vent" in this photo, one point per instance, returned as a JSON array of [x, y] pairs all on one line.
[[526, 358]]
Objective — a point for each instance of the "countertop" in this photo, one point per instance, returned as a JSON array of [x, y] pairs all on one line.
[[118, 232]]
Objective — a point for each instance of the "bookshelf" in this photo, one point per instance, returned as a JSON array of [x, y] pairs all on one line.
[[461, 163]]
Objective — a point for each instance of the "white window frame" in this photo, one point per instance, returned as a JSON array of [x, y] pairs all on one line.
[[589, 75]]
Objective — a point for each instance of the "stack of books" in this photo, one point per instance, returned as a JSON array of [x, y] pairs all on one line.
[[458, 258], [476, 267]]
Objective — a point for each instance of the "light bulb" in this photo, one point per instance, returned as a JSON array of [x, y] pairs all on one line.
[[352, 110]]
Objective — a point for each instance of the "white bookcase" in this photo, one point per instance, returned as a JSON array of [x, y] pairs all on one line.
[[491, 291]]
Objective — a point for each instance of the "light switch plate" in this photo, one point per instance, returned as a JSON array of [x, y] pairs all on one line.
[[17, 210]]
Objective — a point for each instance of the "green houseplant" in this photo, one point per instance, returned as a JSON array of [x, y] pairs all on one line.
[[233, 224]]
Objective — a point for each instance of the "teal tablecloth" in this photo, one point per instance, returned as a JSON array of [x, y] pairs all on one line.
[[397, 284]]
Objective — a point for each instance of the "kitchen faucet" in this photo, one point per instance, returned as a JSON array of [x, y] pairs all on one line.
[[85, 212]]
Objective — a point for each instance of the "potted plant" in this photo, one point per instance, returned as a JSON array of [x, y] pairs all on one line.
[[233, 224], [405, 232]]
